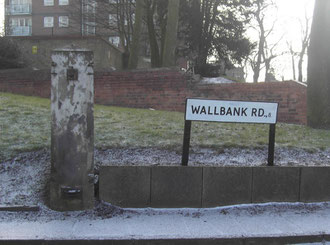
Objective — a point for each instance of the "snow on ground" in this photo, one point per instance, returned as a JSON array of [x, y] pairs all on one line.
[[24, 179], [108, 222], [213, 157], [215, 80]]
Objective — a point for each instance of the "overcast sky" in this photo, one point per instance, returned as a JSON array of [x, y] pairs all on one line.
[[288, 15], [1, 15]]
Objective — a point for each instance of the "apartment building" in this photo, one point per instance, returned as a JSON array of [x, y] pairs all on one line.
[[40, 18], [64, 18], [40, 26]]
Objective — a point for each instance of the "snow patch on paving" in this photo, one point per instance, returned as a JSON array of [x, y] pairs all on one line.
[[108, 222]]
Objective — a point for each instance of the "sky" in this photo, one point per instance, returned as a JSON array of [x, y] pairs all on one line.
[[1, 15], [291, 13], [288, 15]]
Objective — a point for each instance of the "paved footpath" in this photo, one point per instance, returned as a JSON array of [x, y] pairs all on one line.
[[174, 225]]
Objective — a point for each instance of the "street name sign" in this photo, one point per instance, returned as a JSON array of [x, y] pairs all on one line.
[[230, 112]]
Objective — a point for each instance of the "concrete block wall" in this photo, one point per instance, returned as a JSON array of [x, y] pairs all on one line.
[[176, 187], [166, 89]]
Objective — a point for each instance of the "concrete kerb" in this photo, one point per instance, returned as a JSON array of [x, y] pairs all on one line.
[[177, 187], [212, 241], [275, 184], [315, 184], [125, 186], [226, 186]]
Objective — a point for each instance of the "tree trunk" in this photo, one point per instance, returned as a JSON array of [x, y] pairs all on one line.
[[301, 60], [261, 45], [134, 49], [293, 67], [171, 33], [300, 75], [256, 71], [318, 90], [154, 49], [267, 68]]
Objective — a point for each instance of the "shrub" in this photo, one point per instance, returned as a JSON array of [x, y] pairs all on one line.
[[10, 54]]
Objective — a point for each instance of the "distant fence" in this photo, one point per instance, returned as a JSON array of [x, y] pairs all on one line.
[[165, 89]]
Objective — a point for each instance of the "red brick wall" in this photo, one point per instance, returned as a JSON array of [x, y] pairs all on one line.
[[291, 96], [25, 82], [157, 89], [165, 89]]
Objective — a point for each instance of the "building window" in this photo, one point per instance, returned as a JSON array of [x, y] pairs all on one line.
[[90, 6], [90, 28], [63, 21], [63, 2], [112, 19], [20, 2], [20, 27], [49, 2], [115, 40], [20, 22], [48, 21]]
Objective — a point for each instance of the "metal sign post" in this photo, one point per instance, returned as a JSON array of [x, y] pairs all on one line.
[[230, 112], [186, 142], [271, 145]]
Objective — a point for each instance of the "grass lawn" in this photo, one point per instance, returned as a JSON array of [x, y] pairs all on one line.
[[25, 126]]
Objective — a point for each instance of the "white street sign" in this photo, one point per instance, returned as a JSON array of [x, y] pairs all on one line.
[[231, 111]]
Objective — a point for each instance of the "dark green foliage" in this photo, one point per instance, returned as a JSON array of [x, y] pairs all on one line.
[[10, 55], [208, 70], [216, 27]]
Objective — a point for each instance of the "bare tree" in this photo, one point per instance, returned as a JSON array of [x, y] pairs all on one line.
[[171, 33], [300, 54], [305, 33], [293, 56], [135, 46], [150, 8], [261, 8], [106, 18], [269, 54]]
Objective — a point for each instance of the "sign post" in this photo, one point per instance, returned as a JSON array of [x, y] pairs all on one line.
[[186, 142], [230, 112]]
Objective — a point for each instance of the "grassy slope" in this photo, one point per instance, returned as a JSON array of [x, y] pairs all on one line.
[[25, 126]]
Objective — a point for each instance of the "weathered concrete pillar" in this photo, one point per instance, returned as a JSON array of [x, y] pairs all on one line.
[[72, 131]]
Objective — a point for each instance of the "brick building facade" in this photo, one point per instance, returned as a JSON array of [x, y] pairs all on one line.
[[66, 18]]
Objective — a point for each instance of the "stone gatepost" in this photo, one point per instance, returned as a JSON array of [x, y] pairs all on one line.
[[72, 130]]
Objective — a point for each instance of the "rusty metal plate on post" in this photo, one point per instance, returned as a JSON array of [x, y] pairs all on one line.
[[72, 74], [71, 192]]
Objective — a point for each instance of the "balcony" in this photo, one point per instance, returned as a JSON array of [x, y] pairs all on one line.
[[20, 31], [18, 9]]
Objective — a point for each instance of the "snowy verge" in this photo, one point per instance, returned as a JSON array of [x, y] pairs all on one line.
[[24, 178]]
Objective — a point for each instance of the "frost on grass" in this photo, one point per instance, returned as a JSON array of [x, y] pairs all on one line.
[[126, 136], [25, 126], [24, 178]]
